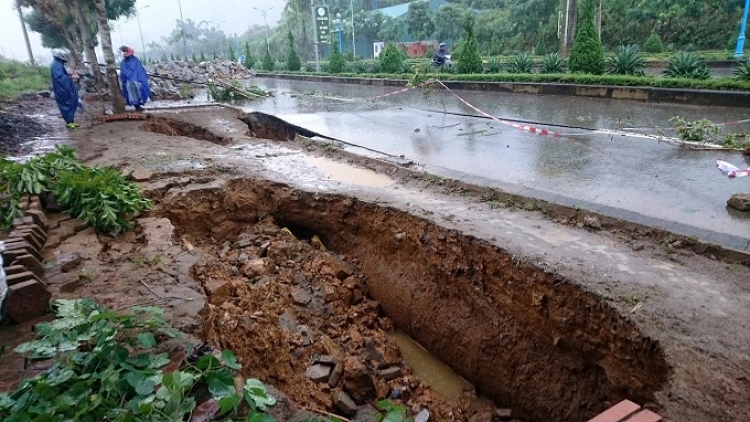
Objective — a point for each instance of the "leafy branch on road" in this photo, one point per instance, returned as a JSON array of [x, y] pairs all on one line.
[[101, 197], [705, 131], [106, 368]]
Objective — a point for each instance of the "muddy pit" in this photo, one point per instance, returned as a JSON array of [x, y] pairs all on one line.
[[529, 340]]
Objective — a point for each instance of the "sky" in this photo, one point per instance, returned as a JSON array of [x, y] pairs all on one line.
[[158, 18]]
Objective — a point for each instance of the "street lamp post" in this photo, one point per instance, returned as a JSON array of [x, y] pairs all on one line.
[[341, 38], [263, 11], [138, 16], [182, 29], [354, 44], [743, 27]]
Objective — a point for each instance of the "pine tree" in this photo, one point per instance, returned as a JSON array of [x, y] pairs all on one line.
[[337, 62], [469, 60], [203, 57], [587, 55], [654, 44], [231, 55], [249, 58], [215, 56], [171, 56], [195, 59], [293, 62], [268, 63]]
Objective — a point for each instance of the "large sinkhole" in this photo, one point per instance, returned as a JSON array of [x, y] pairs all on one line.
[[528, 339]]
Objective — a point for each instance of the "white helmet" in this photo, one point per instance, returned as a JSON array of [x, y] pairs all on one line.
[[61, 53]]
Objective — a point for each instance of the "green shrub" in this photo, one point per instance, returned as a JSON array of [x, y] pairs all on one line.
[[687, 65], [553, 63], [249, 58], [336, 63], [469, 60], [360, 67], [232, 57], [391, 60], [349, 56], [743, 71], [494, 66], [653, 44], [587, 55], [268, 63], [293, 62], [521, 63], [17, 78], [627, 60], [309, 67], [202, 57]]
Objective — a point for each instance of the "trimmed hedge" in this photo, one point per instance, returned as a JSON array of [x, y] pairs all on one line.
[[724, 84]]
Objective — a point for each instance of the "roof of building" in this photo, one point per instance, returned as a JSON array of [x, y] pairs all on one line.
[[395, 11]]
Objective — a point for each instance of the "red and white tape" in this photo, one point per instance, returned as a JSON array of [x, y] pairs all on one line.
[[530, 129]]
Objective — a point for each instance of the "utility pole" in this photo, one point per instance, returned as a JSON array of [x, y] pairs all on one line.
[[354, 44], [315, 37], [743, 27], [26, 34], [138, 16], [182, 29]]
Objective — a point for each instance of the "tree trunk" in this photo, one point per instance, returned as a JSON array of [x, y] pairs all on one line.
[[25, 33], [88, 44], [118, 101]]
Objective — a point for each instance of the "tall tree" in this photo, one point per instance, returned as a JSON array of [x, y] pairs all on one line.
[[419, 20], [447, 25], [118, 101], [88, 41]]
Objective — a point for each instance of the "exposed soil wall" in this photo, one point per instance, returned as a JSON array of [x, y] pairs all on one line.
[[528, 339]]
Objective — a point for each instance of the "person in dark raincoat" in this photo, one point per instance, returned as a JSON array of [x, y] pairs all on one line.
[[135, 87], [64, 88]]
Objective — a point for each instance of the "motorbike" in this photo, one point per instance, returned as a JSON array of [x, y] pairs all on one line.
[[447, 63]]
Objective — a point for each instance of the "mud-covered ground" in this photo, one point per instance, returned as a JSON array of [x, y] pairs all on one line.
[[551, 312], [17, 127]]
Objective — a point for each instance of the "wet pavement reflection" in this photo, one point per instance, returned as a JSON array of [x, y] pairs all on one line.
[[629, 177]]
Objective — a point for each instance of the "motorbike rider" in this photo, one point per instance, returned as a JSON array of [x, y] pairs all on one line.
[[440, 55]]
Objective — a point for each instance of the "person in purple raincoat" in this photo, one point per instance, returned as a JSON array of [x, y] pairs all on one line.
[[134, 79]]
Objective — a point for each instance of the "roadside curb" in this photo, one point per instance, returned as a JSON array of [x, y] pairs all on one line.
[[634, 93]]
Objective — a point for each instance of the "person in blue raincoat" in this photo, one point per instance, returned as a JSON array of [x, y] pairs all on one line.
[[64, 88], [135, 87]]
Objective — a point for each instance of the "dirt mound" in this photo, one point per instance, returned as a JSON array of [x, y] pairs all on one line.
[[298, 318]]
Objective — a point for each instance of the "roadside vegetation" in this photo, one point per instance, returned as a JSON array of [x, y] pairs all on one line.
[[17, 78], [100, 197], [112, 366]]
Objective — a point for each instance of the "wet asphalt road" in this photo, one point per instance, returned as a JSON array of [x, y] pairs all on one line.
[[638, 179]]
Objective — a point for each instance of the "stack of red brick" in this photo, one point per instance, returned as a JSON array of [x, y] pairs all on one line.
[[122, 116], [28, 296], [627, 411]]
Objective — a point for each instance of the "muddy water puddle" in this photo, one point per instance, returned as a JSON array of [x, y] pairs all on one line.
[[444, 380], [311, 169], [348, 174]]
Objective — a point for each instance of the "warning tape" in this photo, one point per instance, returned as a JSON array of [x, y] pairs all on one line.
[[530, 129]]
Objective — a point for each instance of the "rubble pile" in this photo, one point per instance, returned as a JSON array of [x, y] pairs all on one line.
[[298, 318]]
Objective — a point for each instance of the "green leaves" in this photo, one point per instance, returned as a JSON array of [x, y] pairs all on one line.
[[627, 60], [100, 197], [687, 65], [146, 339], [257, 396], [102, 379]]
